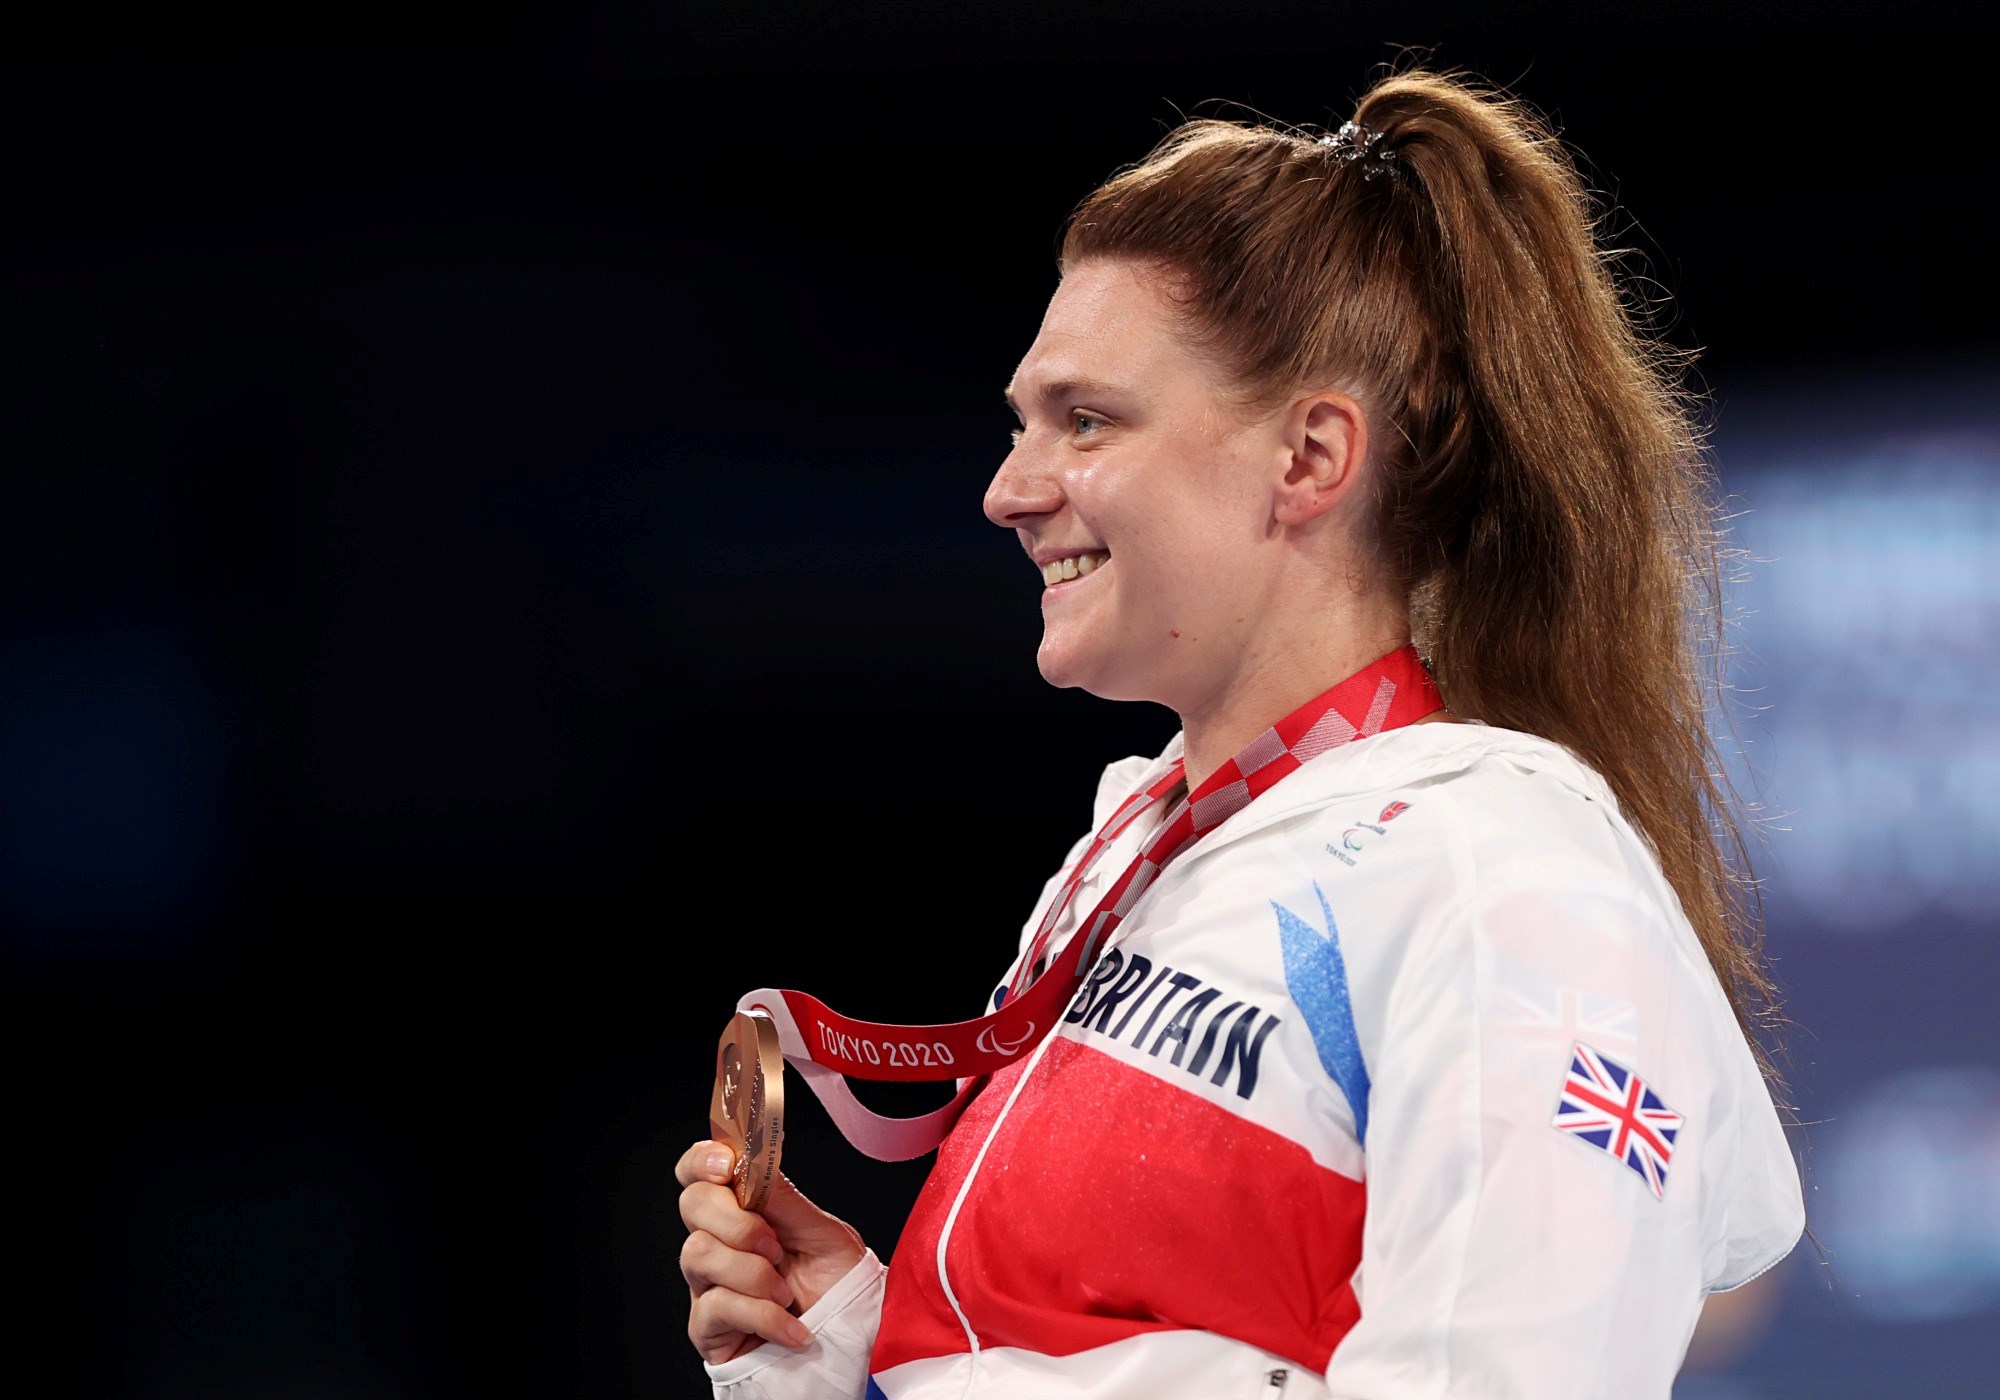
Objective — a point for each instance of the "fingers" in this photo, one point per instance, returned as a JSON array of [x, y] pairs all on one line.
[[722, 1322], [711, 1208], [707, 1203], [730, 1260], [708, 1263]]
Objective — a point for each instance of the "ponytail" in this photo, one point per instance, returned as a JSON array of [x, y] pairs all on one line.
[[1545, 503]]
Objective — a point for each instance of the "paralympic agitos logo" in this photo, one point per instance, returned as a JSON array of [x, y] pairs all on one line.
[[993, 1045], [1356, 837]]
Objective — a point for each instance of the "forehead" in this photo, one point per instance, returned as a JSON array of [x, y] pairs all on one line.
[[1107, 319]]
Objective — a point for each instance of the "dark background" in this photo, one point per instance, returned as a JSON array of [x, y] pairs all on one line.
[[491, 567]]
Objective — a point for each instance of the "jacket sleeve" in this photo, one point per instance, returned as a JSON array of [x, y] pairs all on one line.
[[1508, 1254], [833, 1365]]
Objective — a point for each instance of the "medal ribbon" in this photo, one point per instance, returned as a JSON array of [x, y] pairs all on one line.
[[825, 1046]]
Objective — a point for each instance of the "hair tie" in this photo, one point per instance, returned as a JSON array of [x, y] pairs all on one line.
[[1355, 142]]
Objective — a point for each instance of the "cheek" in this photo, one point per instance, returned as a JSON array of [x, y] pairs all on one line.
[[1201, 527], [1177, 568], [1178, 514]]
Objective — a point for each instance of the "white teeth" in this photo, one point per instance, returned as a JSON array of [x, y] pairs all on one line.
[[1076, 566]]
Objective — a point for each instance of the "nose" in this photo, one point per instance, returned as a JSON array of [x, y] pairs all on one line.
[[1022, 491]]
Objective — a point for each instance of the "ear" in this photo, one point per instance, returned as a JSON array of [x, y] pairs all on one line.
[[1326, 441]]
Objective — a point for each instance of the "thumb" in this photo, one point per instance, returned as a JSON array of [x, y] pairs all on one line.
[[800, 1225]]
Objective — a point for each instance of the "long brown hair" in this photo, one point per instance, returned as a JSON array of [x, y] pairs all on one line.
[[1544, 501]]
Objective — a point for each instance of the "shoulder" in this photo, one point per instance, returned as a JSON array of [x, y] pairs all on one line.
[[1480, 858], [1478, 807], [1536, 839], [1529, 812], [1543, 916]]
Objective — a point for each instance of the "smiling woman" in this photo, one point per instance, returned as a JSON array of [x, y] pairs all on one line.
[[1345, 448], [1225, 534]]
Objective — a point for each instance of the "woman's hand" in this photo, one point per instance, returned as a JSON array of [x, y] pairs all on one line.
[[745, 1270]]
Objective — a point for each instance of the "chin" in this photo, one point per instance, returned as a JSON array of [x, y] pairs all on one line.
[[1065, 670], [1062, 665], [1056, 670]]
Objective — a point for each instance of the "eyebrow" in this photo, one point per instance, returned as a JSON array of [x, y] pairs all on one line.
[[1071, 388]]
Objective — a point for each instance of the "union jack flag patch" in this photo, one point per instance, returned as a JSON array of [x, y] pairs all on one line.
[[1615, 1111]]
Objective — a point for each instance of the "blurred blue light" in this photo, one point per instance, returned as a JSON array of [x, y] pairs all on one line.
[[1909, 1197], [109, 790], [1871, 617]]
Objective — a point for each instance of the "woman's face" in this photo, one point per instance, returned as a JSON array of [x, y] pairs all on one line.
[[1150, 494]]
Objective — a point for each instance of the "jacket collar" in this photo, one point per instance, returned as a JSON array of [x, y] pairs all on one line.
[[1414, 752]]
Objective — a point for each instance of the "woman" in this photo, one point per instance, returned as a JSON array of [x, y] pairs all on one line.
[[1420, 1067]]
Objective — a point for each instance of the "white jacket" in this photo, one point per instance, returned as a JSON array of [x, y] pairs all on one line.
[[1313, 1127]]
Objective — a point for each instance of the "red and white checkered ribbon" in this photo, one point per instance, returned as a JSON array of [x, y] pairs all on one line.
[[825, 1046]]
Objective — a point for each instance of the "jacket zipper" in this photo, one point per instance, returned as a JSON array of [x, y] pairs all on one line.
[[1274, 1385], [958, 1200]]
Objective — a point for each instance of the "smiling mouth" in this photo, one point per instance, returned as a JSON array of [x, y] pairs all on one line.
[[1074, 566]]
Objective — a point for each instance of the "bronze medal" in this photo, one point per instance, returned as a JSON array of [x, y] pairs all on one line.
[[748, 1110]]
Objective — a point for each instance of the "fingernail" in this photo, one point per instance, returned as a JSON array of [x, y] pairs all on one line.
[[785, 1297], [771, 1250], [797, 1335], [719, 1162]]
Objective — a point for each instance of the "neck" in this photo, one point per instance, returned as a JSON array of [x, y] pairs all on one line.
[[1261, 695]]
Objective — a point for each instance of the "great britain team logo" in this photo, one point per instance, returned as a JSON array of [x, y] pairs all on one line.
[[1607, 1106]]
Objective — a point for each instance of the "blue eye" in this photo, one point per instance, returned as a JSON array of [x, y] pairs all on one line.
[[1079, 419]]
